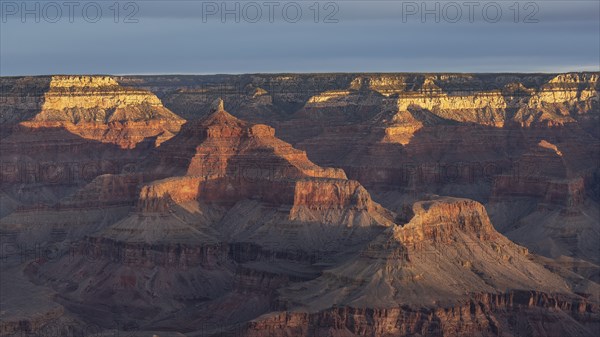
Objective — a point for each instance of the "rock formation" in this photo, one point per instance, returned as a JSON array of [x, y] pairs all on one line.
[[309, 207], [418, 278], [96, 108], [195, 221], [60, 133]]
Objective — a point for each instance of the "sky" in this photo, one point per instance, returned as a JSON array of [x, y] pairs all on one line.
[[210, 37]]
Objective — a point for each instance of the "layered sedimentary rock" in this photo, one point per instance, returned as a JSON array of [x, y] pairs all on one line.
[[514, 313], [92, 107], [564, 99], [543, 173], [220, 144], [61, 132], [448, 249], [480, 98], [419, 278], [233, 190], [487, 108], [59, 135], [429, 132], [464, 136], [22, 99], [546, 201], [220, 227], [420, 110]]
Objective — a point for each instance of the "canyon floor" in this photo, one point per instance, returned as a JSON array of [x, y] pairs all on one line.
[[300, 205]]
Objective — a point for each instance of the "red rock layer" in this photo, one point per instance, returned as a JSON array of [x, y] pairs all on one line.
[[518, 312]]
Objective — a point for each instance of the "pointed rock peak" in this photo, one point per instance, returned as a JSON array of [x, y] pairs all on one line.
[[217, 105], [218, 116]]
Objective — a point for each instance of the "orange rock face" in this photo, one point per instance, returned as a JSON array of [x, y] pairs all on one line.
[[437, 221], [94, 108], [331, 194], [485, 315]]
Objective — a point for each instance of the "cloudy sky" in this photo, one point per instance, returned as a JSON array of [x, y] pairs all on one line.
[[207, 37]]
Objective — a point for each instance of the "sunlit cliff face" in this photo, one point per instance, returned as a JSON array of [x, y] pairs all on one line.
[[97, 108]]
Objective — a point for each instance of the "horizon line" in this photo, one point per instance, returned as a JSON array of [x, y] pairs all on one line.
[[305, 73]]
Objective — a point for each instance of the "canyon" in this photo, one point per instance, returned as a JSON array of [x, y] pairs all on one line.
[[300, 205]]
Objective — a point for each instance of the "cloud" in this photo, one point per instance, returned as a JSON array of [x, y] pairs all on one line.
[[368, 37]]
